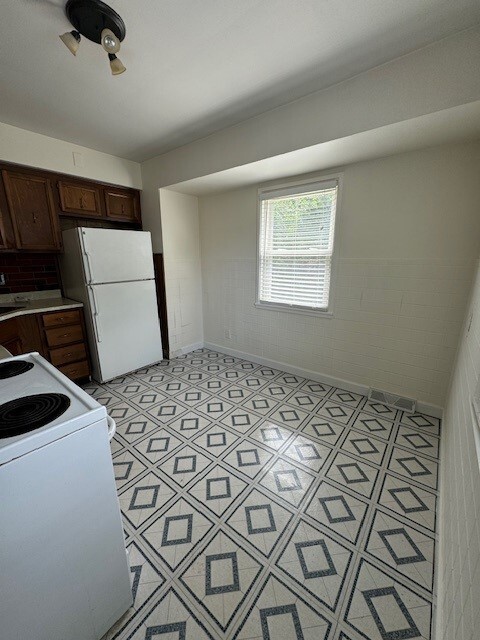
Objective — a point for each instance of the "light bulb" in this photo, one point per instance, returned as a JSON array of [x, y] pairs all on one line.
[[109, 41], [71, 40], [115, 65]]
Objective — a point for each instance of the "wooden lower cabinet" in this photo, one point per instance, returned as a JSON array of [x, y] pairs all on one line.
[[59, 336], [65, 342]]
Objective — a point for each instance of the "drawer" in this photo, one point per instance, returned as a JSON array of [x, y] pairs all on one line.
[[64, 335], [76, 370], [64, 355], [60, 318]]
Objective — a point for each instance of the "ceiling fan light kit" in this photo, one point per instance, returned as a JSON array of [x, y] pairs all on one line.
[[99, 23], [71, 40]]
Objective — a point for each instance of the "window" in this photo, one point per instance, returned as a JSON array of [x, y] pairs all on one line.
[[296, 229]]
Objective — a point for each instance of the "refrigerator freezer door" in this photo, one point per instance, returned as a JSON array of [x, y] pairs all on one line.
[[113, 255], [126, 328]]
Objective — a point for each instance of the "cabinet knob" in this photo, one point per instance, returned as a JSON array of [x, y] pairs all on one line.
[[34, 216]]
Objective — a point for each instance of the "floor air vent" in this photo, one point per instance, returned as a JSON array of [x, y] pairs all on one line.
[[392, 400]]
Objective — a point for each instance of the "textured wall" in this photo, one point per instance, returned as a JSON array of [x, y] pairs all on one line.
[[183, 273], [459, 522], [406, 244]]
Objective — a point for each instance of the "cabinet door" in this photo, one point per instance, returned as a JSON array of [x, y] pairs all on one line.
[[7, 239], [10, 336], [78, 199], [35, 222], [122, 205]]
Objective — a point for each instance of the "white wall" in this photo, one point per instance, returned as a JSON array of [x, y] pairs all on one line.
[[459, 514], [183, 279], [36, 150], [406, 240], [440, 76]]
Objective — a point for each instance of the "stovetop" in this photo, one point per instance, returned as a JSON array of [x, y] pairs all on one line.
[[38, 404], [13, 368]]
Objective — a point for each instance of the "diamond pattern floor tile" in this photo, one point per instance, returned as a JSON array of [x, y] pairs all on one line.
[[382, 608], [220, 578], [216, 440], [414, 467], [175, 533], [126, 467], [170, 617], [218, 489], [308, 452], [338, 511], [185, 465], [316, 562], [373, 425], [325, 430], [158, 445], [366, 446], [288, 481], [260, 521], [271, 435], [260, 504], [403, 548], [423, 423], [357, 476], [423, 443], [144, 498], [248, 458], [409, 501], [136, 428], [279, 612], [336, 411], [260, 404]]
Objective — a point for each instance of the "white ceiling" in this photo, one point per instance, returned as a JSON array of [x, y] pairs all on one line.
[[455, 125], [197, 66]]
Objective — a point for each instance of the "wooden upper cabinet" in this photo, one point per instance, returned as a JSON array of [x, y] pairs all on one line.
[[122, 204], [32, 211], [80, 199], [7, 239]]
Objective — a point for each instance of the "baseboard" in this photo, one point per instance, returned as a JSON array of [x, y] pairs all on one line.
[[422, 407], [187, 349]]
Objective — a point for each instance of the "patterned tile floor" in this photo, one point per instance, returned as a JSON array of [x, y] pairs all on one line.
[[258, 504]]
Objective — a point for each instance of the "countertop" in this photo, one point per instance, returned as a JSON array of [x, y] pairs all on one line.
[[38, 306]]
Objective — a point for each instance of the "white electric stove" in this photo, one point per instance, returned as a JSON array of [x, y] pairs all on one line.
[[63, 567]]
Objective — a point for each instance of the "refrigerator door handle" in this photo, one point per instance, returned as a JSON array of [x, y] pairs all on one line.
[[89, 267], [87, 258], [95, 314]]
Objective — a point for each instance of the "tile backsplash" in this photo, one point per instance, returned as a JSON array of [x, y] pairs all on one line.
[[29, 272]]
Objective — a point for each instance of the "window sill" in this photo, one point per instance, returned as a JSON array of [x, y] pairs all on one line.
[[298, 310]]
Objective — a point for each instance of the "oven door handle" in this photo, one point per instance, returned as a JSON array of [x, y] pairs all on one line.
[[112, 427]]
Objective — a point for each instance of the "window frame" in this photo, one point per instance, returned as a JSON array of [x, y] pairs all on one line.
[[290, 308]]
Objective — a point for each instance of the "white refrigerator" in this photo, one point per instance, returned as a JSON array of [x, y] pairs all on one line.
[[111, 272]]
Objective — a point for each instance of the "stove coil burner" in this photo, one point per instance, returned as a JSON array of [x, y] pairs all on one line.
[[31, 412], [14, 368]]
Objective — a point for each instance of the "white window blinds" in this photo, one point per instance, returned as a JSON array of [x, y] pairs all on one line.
[[296, 245]]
